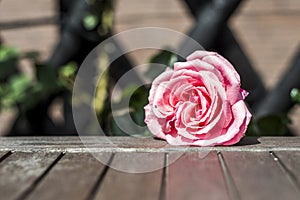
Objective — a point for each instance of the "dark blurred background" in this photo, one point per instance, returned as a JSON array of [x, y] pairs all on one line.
[[268, 31]]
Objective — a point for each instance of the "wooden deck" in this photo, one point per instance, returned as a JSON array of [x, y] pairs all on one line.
[[64, 168]]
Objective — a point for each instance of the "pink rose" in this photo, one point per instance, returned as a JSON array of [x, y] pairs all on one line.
[[199, 103]]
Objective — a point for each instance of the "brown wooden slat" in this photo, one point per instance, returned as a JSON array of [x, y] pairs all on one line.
[[132, 144], [118, 144], [119, 184], [73, 177], [19, 171], [291, 160], [75, 144], [196, 176], [257, 176]]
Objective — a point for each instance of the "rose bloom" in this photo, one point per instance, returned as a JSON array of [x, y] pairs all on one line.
[[199, 103]]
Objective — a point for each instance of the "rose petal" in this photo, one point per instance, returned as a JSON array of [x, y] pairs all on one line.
[[199, 103]]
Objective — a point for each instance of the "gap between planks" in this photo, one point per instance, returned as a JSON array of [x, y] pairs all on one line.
[[4, 155], [288, 173], [40, 178], [97, 185], [257, 171], [130, 179], [232, 190], [162, 195]]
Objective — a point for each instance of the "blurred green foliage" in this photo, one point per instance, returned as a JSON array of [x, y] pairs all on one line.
[[273, 125], [164, 57], [270, 125], [7, 53], [8, 61], [24, 92], [20, 90], [90, 21], [295, 95]]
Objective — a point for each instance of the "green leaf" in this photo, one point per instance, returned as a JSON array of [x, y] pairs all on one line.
[[165, 57], [137, 100], [20, 83], [271, 125], [7, 53], [47, 77], [107, 18], [90, 21], [68, 70], [15, 91], [295, 95], [8, 61], [66, 75], [101, 91]]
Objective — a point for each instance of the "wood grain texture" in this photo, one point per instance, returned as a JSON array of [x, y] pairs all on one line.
[[253, 172], [19, 171], [133, 144], [196, 176], [291, 162], [257, 176], [76, 144], [119, 184], [73, 177]]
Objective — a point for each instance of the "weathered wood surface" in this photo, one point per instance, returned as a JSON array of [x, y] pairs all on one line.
[[20, 171], [144, 168], [3, 154], [134, 185], [133, 144], [196, 176], [73, 177], [291, 164], [257, 176]]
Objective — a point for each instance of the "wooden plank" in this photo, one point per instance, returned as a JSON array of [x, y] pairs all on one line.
[[76, 144], [133, 144], [291, 162], [257, 176], [120, 184], [20, 170], [196, 176], [73, 177]]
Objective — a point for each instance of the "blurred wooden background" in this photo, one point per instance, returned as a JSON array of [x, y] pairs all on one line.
[[268, 31]]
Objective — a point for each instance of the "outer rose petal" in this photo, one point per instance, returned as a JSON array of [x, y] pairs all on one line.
[[243, 129], [152, 122]]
